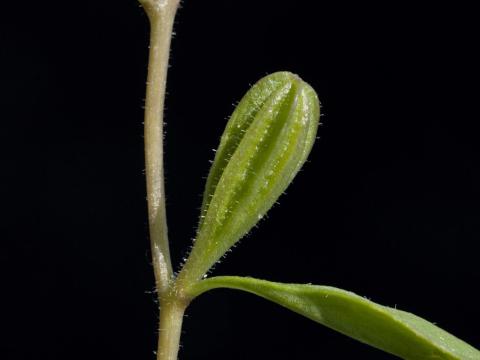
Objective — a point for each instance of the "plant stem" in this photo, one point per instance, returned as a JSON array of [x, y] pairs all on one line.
[[161, 14], [171, 316]]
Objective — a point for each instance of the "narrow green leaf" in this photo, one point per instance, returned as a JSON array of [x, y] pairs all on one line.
[[265, 143], [394, 331]]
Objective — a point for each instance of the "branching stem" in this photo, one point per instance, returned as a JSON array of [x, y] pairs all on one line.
[[161, 14]]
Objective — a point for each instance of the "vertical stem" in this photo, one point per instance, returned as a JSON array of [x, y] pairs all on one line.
[[171, 316], [161, 14]]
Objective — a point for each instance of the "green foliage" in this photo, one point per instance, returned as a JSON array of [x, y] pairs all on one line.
[[265, 143], [397, 332]]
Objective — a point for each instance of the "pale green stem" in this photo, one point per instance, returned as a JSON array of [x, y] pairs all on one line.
[[161, 14], [171, 316]]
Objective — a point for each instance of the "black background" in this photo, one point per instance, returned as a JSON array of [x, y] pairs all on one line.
[[387, 205]]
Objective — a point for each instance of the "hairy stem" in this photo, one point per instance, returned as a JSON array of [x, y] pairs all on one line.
[[161, 14], [171, 316]]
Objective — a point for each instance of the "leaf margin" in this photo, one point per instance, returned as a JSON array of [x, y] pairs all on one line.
[[405, 326]]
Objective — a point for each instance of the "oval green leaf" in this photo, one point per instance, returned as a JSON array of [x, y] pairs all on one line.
[[265, 143], [394, 331]]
